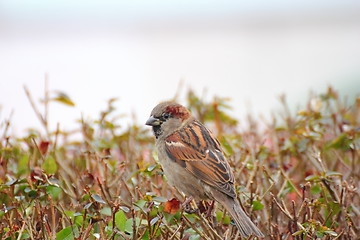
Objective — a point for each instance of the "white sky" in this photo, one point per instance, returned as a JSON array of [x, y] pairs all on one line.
[[138, 51]]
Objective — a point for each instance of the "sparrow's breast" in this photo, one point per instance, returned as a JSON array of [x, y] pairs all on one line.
[[181, 178]]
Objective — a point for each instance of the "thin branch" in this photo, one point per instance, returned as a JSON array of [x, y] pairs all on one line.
[[36, 110]]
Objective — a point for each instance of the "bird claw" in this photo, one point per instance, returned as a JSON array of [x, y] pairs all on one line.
[[189, 209], [186, 206]]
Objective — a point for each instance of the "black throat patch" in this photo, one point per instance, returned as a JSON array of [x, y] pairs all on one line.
[[157, 131]]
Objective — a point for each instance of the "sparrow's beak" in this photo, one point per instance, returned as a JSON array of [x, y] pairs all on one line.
[[153, 121]]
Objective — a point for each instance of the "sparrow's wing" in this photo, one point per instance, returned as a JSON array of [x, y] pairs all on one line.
[[198, 151]]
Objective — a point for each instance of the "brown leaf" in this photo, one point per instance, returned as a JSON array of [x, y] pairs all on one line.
[[172, 206]]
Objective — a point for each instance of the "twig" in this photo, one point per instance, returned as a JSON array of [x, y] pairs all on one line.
[[7, 124], [285, 211], [56, 135], [252, 174], [331, 191], [271, 185], [294, 215], [208, 227], [21, 230], [190, 224], [46, 100], [133, 223], [171, 231], [87, 231], [37, 147], [110, 203], [176, 231], [36, 110], [289, 180]]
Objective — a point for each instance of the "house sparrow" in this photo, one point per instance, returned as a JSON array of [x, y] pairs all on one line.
[[194, 162]]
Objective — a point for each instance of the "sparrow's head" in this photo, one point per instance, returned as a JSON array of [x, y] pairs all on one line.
[[167, 117]]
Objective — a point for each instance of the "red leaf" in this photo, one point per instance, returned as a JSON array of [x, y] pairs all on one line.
[[44, 146], [172, 206]]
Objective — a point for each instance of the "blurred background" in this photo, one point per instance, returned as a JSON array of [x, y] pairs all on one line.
[[141, 51]]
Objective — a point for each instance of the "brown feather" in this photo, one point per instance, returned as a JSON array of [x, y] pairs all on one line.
[[194, 149]]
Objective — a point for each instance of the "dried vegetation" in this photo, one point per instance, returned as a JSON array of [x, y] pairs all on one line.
[[298, 177]]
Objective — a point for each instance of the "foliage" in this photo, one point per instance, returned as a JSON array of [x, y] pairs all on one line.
[[298, 177]]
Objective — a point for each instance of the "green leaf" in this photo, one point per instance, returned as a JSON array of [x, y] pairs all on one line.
[[219, 216], [302, 145], [298, 233], [129, 225], [7, 209], [312, 178], [227, 220], [25, 236], [140, 205], [69, 213], [64, 99], [151, 167], [333, 208], [120, 220], [226, 146], [88, 205], [98, 199], [331, 233], [65, 234], [341, 142], [50, 165], [79, 219], [106, 211], [53, 191], [333, 174], [154, 212], [222, 219], [154, 220], [31, 193], [125, 209], [319, 234], [23, 167], [54, 182], [193, 234], [195, 237], [257, 205], [316, 189], [11, 182], [160, 199]]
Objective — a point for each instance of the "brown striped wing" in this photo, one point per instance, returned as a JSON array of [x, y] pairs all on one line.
[[195, 148]]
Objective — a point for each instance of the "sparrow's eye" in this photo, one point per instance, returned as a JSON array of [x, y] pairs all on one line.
[[166, 116]]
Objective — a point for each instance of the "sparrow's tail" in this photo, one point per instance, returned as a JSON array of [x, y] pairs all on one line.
[[243, 222]]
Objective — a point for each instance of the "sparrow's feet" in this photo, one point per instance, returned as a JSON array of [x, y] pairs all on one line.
[[189, 209], [186, 206]]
